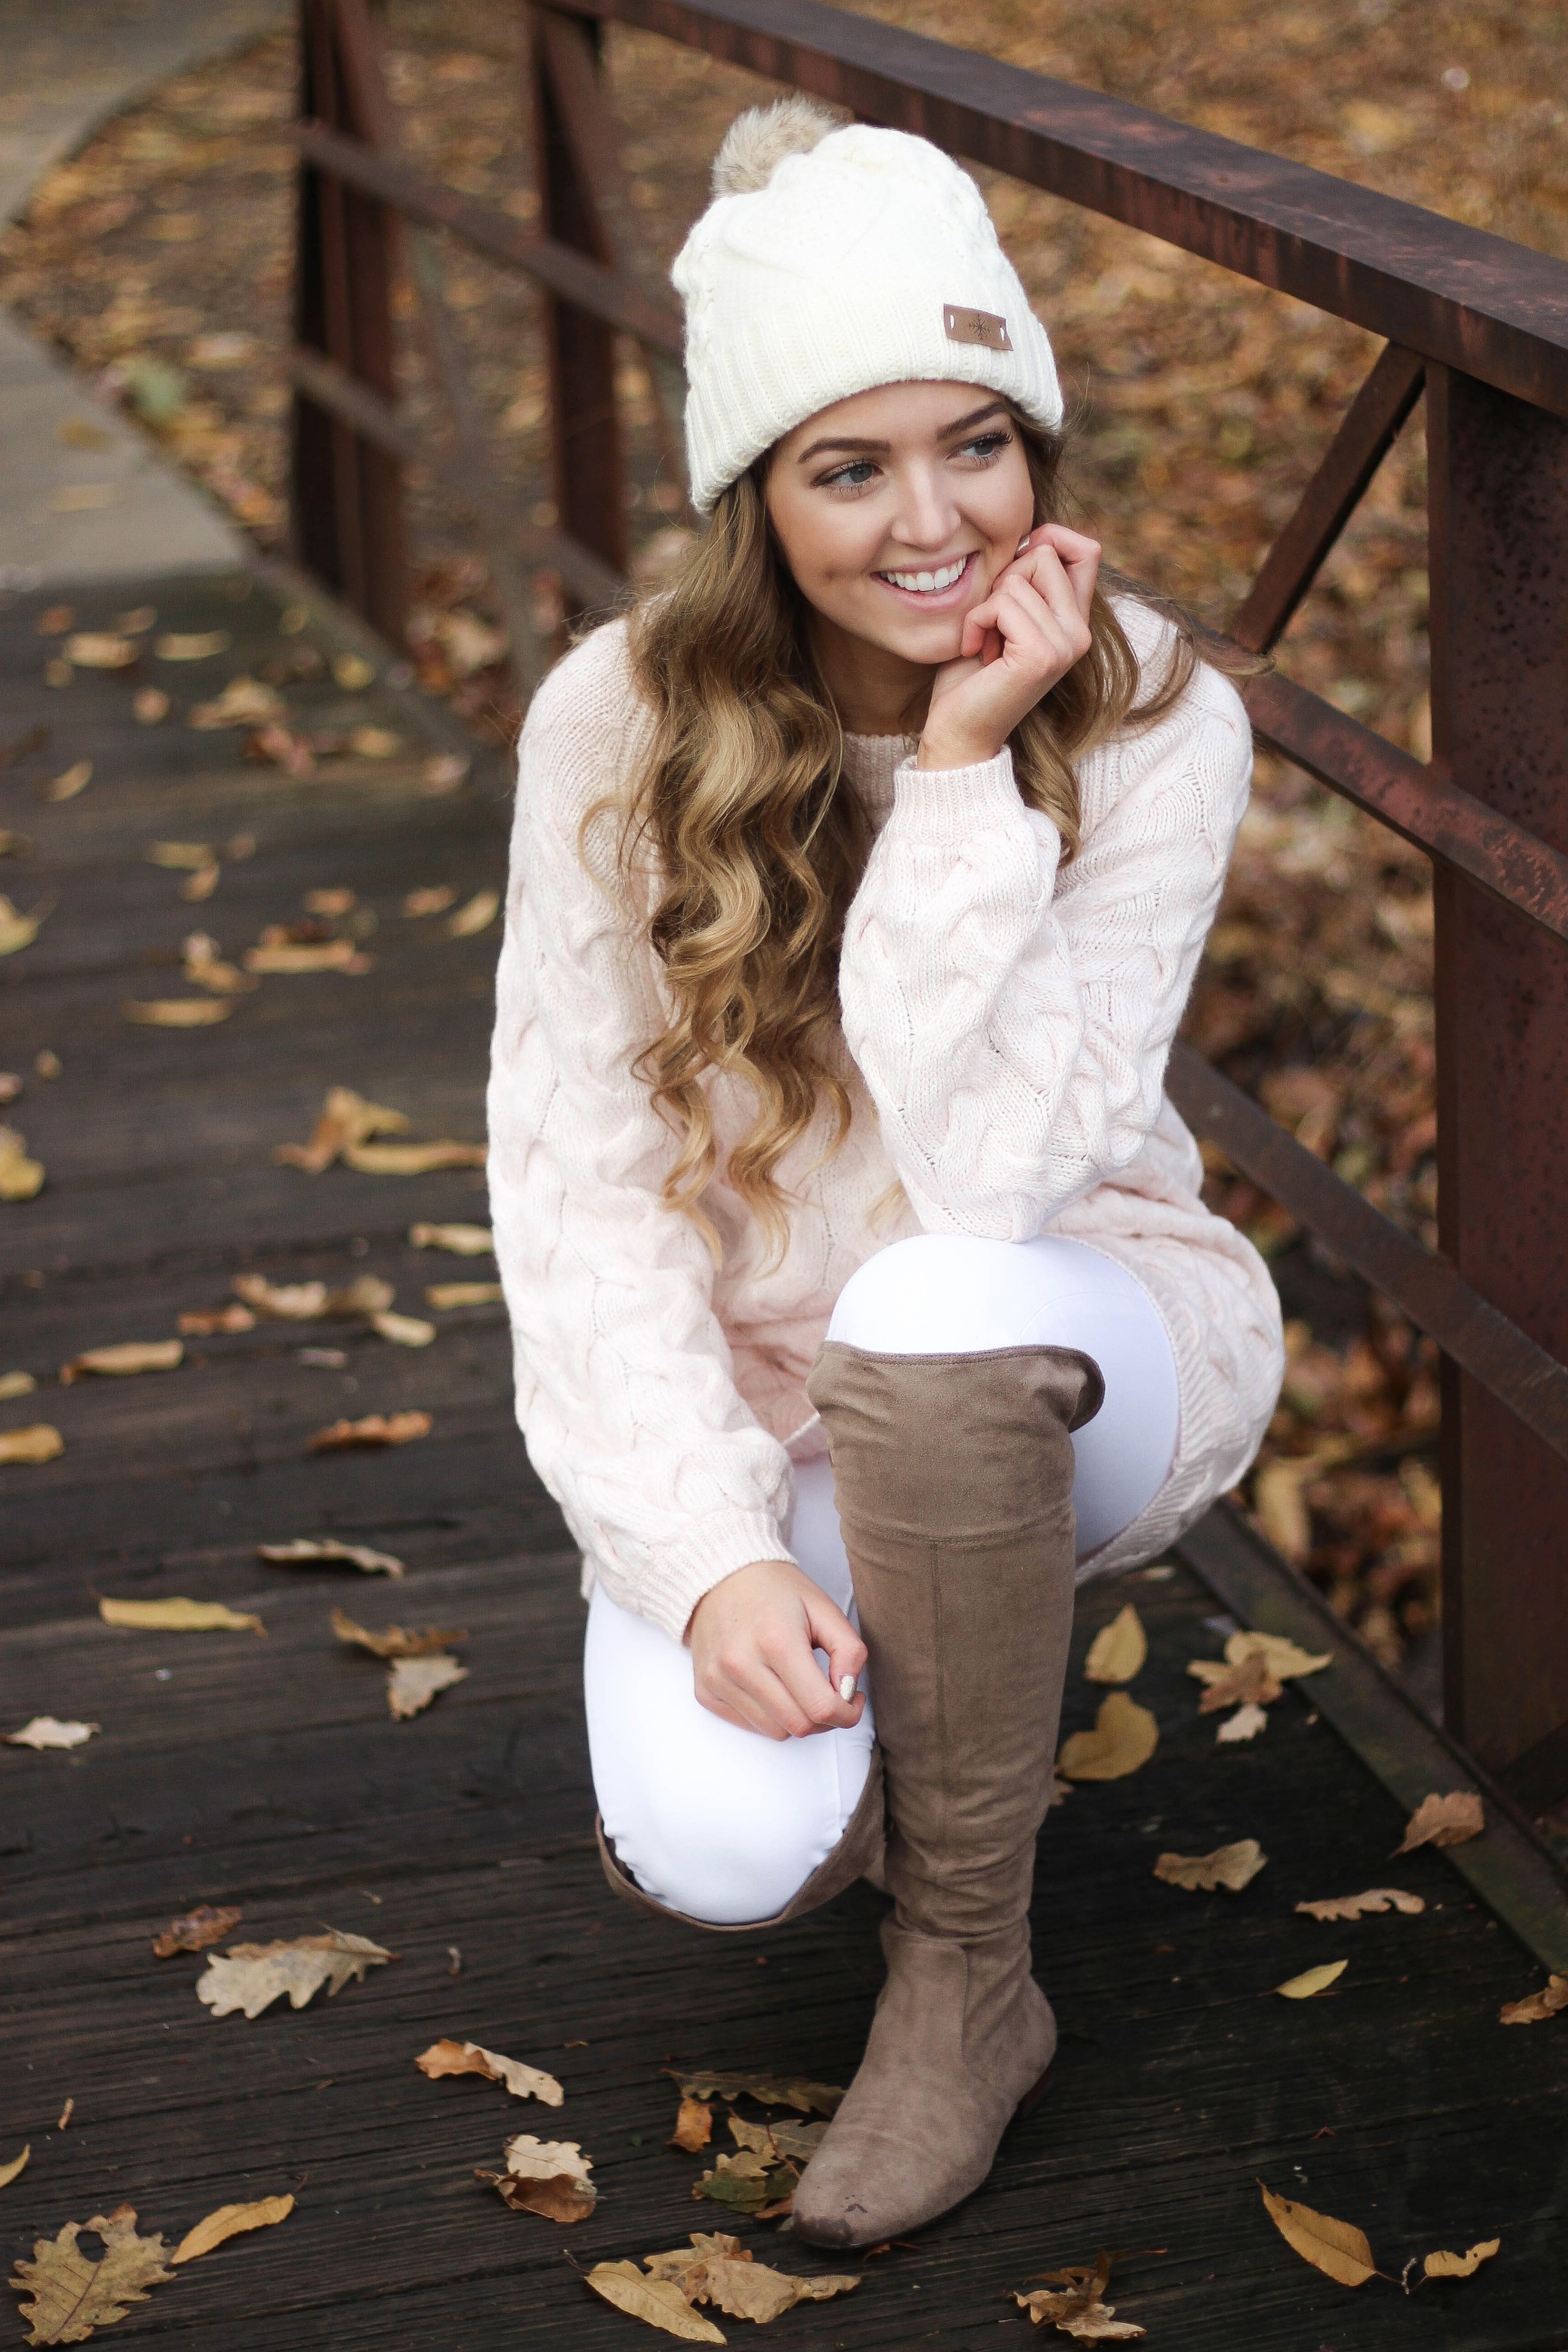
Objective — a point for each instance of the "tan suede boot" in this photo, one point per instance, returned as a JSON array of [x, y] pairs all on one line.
[[954, 1483]]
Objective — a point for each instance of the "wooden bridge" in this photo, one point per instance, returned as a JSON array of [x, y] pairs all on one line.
[[264, 1771]]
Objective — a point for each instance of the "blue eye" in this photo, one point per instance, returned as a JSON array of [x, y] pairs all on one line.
[[985, 444], [852, 476]]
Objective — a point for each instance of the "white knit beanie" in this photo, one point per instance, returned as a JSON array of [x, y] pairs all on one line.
[[832, 260]]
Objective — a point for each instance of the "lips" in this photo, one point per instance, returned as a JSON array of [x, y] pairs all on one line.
[[941, 584]]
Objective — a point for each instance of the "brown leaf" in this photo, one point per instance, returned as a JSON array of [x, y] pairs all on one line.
[[15, 1384], [21, 1179], [39, 1440], [1230, 1866], [71, 781], [193, 646], [402, 1330], [177, 1011], [1073, 2301], [150, 704], [1357, 1906], [1119, 1649], [18, 2164], [345, 1118], [768, 2090], [1446, 2265], [371, 1429], [251, 1976], [49, 1731], [463, 1241], [124, 1357], [229, 2222], [398, 1641], [181, 856], [445, 772], [1338, 2249], [1125, 1736], [1250, 1684], [657, 2301], [374, 742], [524, 2082], [201, 884], [716, 2268], [1535, 2007], [547, 2177], [244, 702], [412, 1683], [201, 1323], [1443, 1821], [307, 1551], [693, 2125], [321, 955], [1313, 1982], [100, 650], [443, 1295], [433, 901], [178, 1617], [70, 2297], [411, 1158], [1285, 1659], [196, 1929], [475, 915], [748, 2183], [204, 967]]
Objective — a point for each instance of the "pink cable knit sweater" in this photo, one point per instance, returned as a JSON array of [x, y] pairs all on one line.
[[1008, 1023]]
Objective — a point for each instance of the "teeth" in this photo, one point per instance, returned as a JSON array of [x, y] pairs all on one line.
[[926, 583]]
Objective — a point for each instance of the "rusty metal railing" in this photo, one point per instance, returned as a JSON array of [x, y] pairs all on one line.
[[1474, 324]]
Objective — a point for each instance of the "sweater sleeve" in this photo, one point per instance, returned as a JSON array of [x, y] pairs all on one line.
[[1012, 1019], [625, 1391]]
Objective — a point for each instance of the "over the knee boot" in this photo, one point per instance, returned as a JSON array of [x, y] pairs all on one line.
[[954, 1485]]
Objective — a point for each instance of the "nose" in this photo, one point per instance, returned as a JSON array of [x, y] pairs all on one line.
[[927, 516]]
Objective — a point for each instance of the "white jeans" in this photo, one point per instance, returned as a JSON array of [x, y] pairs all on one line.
[[725, 1824]]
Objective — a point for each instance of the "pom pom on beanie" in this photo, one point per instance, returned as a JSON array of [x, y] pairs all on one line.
[[833, 259]]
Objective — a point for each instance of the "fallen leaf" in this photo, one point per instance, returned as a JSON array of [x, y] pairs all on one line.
[[126, 1356], [748, 2183], [1125, 1736], [307, 1551], [548, 2177], [228, 2222], [1285, 1659], [443, 1295], [412, 1683], [411, 1158], [1279, 1504], [201, 884], [352, 672], [196, 1930], [47, 1062], [1119, 1649], [524, 2082], [55, 620], [1073, 2301], [434, 901], [18, 2164], [1446, 2265], [444, 772], [297, 956], [768, 2090], [100, 650], [49, 1731], [404, 1330], [41, 1441], [202, 1323], [251, 1976], [244, 702], [396, 1640], [1246, 1723], [371, 1429], [18, 931], [1356, 1906], [66, 2113], [312, 1302], [14, 844], [345, 1118], [21, 1179], [193, 646], [1552, 1998], [776, 2138], [205, 968], [71, 781], [149, 704], [15, 1384], [657, 2301], [1443, 1821], [180, 857], [1249, 1683], [1230, 1866], [179, 1617], [476, 914], [463, 1241], [1312, 1980], [716, 2268], [693, 2125], [374, 742], [1336, 2248], [70, 2296], [176, 1012]]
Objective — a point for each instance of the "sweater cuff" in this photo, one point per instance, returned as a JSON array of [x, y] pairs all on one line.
[[674, 1584], [947, 805]]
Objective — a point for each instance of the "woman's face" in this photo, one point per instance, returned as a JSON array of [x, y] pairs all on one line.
[[897, 509]]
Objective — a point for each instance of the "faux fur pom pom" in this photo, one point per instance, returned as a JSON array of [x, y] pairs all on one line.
[[758, 141]]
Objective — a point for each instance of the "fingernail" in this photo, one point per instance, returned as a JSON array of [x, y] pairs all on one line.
[[847, 1687]]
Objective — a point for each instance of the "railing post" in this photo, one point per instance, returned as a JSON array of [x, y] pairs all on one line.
[[346, 495], [584, 422], [1498, 518]]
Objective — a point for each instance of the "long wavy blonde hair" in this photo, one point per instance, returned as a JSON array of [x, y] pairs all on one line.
[[742, 812]]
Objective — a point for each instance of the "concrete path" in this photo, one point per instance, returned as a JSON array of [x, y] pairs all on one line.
[[83, 494]]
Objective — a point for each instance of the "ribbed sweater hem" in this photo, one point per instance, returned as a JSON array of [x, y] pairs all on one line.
[[712, 1548]]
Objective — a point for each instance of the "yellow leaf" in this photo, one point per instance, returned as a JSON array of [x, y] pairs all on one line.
[[1230, 1866], [433, 901], [193, 646], [244, 702], [176, 1012], [179, 1617], [1446, 2265], [404, 1330], [345, 1118], [1338, 2249], [1552, 1998], [301, 956], [251, 1976], [21, 1179], [49, 1731], [352, 672], [463, 1241], [70, 2296], [444, 1296], [228, 2222], [100, 650], [1312, 1980], [71, 781], [374, 742], [18, 931], [1285, 1659], [126, 1356], [1252, 1683], [1356, 1906], [476, 914], [657, 2301], [1119, 1649], [548, 2177], [412, 1159], [412, 1683], [768, 2090], [371, 1429], [15, 1384], [693, 2125], [396, 1640], [181, 856], [305, 1551], [41, 1441], [1282, 1507], [1443, 1821], [1125, 1736], [205, 968], [524, 2082], [8, 2172]]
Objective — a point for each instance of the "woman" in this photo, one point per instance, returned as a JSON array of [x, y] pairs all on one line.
[[861, 1292]]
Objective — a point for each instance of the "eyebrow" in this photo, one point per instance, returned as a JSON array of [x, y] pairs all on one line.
[[841, 441]]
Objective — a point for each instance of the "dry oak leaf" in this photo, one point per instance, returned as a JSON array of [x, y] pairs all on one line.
[[124, 1357], [345, 1118], [396, 1640], [412, 1683], [1552, 1998], [204, 966], [228, 2222], [371, 1429], [1073, 2300], [181, 856], [693, 2125], [1230, 1866], [193, 644], [522, 2080], [1356, 1906], [251, 1976], [1250, 1684], [100, 650], [200, 1323], [299, 956], [311, 1302], [1285, 1659], [1338, 2249], [658, 2302], [21, 1179], [178, 1616], [1443, 1821], [177, 1011], [1247, 1721], [546, 2177], [442, 1296], [1119, 1649], [69, 783], [1313, 1982], [72, 2296], [18, 2164], [768, 2090], [796, 2142], [748, 2183], [402, 1330], [1125, 1736], [196, 1929], [1446, 2266], [244, 702], [476, 914], [309, 1551], [463, 1241], [18, 931], [49, 1731], [716, 2268], [39, 1440], [411, 1158]]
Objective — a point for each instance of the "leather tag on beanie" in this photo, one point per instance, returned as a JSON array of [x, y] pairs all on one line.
[[966, 326]]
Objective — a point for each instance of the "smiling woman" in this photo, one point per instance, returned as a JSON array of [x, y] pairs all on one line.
[[861, 1292]]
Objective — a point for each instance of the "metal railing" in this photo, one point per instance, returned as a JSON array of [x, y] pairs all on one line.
[[1474, 324]]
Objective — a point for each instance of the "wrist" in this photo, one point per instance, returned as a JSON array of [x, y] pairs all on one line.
[[941, 750]]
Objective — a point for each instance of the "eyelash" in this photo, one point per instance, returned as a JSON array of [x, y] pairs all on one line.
[[993, 444]]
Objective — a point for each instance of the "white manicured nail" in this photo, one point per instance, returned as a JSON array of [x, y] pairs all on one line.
[[847, 1687]]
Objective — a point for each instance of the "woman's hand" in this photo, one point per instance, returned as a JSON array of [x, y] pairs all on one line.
[[752, 1639], [1027, 634]]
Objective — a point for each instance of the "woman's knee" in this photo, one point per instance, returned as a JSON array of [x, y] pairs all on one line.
[[952, 1294], [700, 1858]]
